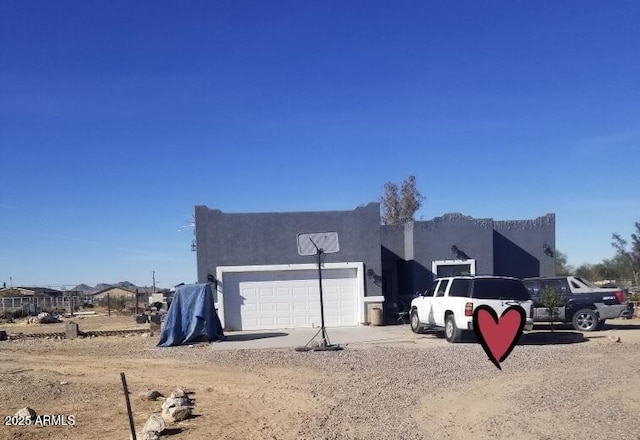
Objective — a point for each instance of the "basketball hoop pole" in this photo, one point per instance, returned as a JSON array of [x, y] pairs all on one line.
[[319, 253], [324, 333]]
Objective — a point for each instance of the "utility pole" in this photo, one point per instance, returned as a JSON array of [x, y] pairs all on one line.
[[154, 281]]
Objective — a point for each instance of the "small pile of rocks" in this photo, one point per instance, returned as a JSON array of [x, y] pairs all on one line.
[[178, 406]]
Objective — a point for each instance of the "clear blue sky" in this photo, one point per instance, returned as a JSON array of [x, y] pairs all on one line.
[[118, 117]]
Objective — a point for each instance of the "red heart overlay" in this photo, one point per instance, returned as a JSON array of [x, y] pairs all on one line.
[[498, 337]]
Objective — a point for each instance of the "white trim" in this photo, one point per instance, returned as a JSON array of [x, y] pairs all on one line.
[[360, 281], [436, 263], [374, 299]]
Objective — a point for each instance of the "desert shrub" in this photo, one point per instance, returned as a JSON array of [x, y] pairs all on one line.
[[551, 300]]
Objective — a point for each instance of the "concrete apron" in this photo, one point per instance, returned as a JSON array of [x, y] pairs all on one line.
[[291, 338]]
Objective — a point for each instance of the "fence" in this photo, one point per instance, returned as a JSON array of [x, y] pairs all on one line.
[[35, 305]]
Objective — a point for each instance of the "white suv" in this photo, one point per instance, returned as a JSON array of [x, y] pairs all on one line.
[[450, 302]]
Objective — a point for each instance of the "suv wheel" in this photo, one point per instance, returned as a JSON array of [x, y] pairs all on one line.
[[585, 320], [415, 322], [451, 331]]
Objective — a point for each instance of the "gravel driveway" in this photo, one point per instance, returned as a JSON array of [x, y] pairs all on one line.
[[419, 390]]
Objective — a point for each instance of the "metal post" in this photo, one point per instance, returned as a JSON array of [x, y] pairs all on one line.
[[126, 397], [108, 304], [324, 334]]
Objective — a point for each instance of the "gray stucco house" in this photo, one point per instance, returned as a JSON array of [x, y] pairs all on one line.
[[261, 282]]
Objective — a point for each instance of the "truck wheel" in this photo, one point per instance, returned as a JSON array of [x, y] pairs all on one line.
[[415, 322], [451, 331], [585, 320]]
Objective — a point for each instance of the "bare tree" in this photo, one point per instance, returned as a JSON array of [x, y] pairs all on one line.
[[632, 256], [399, 205]]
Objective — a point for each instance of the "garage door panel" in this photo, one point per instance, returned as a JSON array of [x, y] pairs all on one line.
[[300, 321], [251, 307], [270, 300], [249, 293], [266, 292], [266, 307], [283, 307]]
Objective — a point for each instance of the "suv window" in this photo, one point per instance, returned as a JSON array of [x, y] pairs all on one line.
[[499, 288], [533, 287], [431, 290], [442, 288], [460, 288], [558, 286]]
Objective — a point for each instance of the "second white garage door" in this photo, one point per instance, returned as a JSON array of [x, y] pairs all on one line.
[[289, 299]]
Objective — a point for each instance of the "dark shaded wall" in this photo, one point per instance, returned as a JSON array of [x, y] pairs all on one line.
[[239, 239], [433, 239], [519, 247], [393, 256]]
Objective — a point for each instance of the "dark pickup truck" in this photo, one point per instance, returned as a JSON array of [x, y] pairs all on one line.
[[584, 304]]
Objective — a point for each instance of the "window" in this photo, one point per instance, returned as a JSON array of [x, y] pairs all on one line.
[[533, 288], [431, 289], [460, 288], [557, 286], [442, 288], [500, 289], [452, 268]]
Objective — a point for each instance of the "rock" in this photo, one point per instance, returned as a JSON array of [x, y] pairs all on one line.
[[178, 407], [176, 413], [150, 395], [155, 424], [145, 335], [26, 412], [615, 339], [64, 382], [180, 392], [177, 401], [146, 436]]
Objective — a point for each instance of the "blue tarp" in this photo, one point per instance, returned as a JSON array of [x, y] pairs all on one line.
[[191, 316]]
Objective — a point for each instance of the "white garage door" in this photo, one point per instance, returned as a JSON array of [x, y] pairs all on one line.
[[289, 299]]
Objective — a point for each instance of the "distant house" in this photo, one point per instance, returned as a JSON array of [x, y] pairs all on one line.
[[113, 292], [262, 282], [31, 292]]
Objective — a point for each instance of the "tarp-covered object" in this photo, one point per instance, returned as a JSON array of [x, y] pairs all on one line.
[[191, 316]]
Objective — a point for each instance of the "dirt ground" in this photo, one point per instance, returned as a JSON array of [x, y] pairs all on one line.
[[269, 394]]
